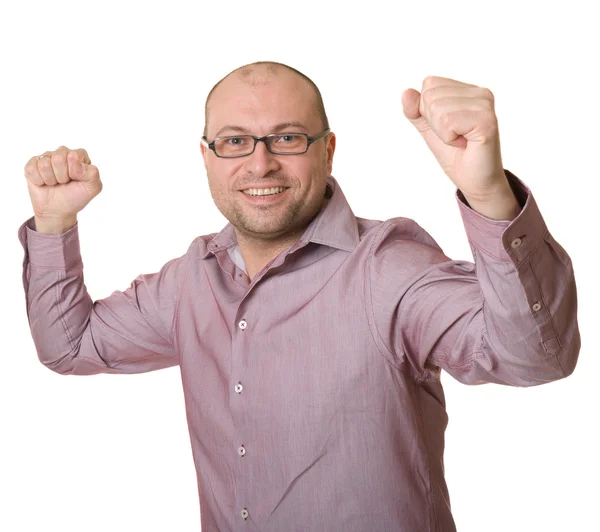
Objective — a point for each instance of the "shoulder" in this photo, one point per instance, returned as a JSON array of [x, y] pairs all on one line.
[[177, 267], [400, 239]]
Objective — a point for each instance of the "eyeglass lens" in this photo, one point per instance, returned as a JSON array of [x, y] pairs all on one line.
[[244, 144]]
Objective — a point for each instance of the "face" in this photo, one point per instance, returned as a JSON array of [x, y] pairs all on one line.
[[258, 105]]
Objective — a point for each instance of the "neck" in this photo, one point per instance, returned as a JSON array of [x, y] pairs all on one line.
[[258, 253]]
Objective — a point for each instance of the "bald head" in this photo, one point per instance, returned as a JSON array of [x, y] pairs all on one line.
[[263, 73]]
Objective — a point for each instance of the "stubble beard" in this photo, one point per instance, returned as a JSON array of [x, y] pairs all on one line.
[[262, 223], [267, 222]]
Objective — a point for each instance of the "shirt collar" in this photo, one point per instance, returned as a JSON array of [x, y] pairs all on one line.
[[334, 225]]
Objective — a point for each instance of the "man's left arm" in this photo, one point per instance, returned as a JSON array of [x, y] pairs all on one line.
[[509, 240], [508, 318], [513, 319]]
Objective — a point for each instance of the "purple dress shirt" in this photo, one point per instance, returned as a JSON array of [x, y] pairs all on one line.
[[313, 392]]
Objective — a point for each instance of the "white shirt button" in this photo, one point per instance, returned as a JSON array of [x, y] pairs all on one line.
[[516, 243], [241, 450], [239, 387], [245, 513], [536, 306], [242, 324]]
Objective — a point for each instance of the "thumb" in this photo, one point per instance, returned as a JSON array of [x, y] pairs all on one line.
[[411, 100]]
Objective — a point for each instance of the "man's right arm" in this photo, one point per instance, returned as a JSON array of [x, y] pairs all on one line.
[[127, 332]]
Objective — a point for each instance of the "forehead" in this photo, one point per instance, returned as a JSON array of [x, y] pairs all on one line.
[[258, 100]]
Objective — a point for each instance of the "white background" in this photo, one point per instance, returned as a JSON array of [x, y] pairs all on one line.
[[127, 81]]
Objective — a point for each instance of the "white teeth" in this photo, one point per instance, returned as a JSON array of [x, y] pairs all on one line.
[[263, 191]]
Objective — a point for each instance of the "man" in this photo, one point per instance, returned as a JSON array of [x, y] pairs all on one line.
[[311, 341]]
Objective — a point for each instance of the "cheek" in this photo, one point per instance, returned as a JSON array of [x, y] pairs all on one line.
[[220, 176], [218, 186], [311, 169]]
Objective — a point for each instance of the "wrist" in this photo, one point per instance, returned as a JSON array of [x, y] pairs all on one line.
[[54, 226], [500, 206]]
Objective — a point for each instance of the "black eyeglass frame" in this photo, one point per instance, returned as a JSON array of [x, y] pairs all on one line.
[[309, 140]]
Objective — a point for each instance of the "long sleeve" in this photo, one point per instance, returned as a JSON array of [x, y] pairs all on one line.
[[127, 332], [510, 317]]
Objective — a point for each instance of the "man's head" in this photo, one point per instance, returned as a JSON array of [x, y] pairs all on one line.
[[260, 99]]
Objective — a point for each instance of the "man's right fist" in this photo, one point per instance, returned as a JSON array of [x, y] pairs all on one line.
[[61, 183]]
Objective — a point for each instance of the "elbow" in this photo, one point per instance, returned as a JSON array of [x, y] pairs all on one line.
[[569, 355], [63, 365], [561, 360], [72, 363]]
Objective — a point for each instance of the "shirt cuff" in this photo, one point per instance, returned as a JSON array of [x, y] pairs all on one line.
[[505, 240], [50, 252]]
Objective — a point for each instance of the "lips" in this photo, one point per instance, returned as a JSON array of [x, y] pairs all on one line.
[[262, 186], [262, 199], [264, 191]]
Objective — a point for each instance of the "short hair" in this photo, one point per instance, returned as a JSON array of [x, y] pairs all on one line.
[[273, 66]]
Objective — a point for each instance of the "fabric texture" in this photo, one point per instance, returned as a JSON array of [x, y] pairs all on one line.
[[313, 392]]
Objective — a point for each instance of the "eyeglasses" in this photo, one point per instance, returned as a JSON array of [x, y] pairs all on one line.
[[277, 143]]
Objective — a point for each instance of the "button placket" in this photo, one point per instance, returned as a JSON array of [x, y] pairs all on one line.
[[239, 412]]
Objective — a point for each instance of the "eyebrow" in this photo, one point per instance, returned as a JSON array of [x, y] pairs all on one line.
[[276, 129]]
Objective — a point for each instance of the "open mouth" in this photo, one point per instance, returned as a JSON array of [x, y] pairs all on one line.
[[264, 192]]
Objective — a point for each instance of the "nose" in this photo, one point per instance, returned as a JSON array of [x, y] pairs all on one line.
[[262, 161]]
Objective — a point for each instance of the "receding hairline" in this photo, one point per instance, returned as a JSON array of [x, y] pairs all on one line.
[[247, 73]]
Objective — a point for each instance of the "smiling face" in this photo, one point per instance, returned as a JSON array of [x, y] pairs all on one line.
[[260, 100]]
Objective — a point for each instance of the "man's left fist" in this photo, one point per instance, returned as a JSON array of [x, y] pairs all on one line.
[[459, 124]]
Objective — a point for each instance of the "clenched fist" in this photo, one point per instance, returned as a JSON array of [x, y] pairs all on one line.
[[459, 124], [61, 183]]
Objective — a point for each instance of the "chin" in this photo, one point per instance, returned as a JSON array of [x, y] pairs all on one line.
[[267, 233]]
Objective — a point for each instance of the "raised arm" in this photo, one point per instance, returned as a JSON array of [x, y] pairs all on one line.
[[127, 332], [509, 318]]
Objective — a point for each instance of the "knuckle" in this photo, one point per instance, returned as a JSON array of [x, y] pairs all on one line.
[[426, 82], [445, 119], [434, 106], [429, 82], [59, 163], [30, 165], [486, 95], [83, 155], [29, 172]]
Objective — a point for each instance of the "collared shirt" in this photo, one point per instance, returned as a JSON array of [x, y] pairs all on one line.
[[313, 392]]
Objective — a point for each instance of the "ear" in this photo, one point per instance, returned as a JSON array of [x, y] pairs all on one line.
[[330, 147], [204, 150]]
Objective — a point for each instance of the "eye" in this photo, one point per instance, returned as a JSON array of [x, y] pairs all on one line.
[[287, 138], [236, 141]]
